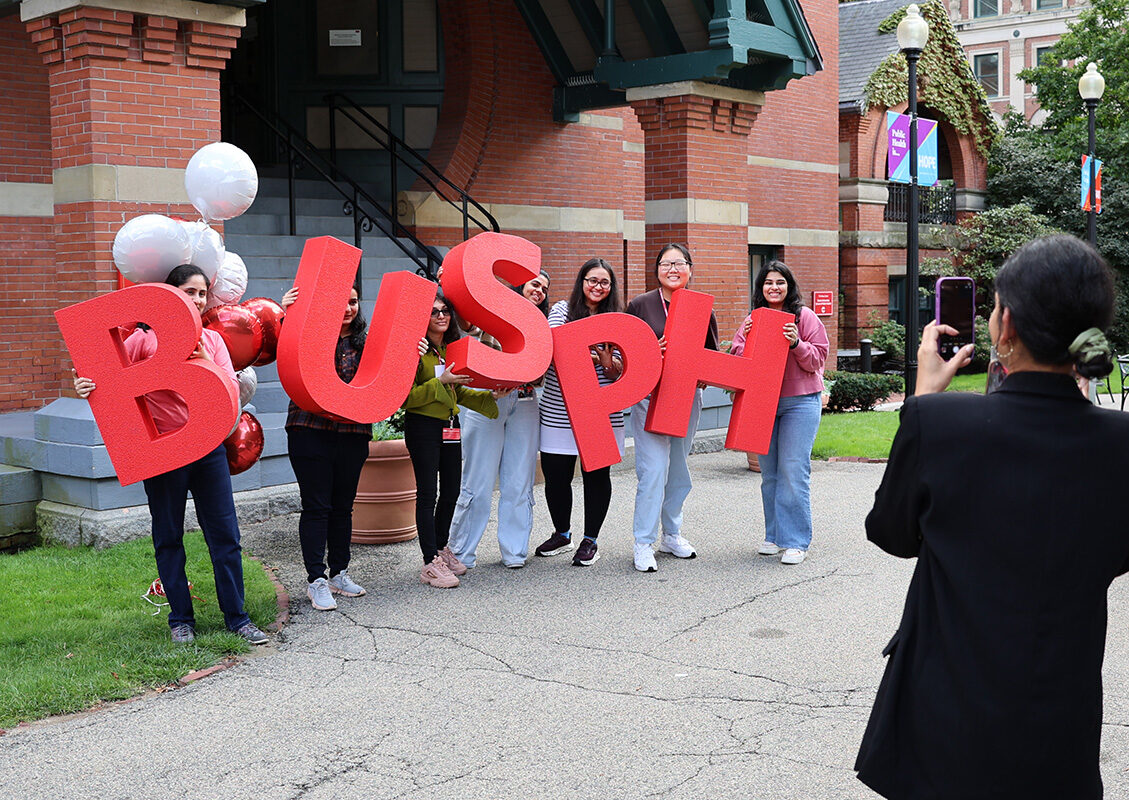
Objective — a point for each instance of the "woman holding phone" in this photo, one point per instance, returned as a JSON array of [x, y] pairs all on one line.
[[786, 467], [209, 480], [327, 456], [993, 681], [502, 451], [433, 439], [661, 461], [593, 292]]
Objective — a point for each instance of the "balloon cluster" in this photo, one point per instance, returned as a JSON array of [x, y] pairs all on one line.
[[221, 181]]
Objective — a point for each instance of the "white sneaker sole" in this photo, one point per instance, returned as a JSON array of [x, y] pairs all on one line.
[[547, 553], [676, 554], [764, 551], [652, 567], [578, 563], [793, 560], [322, 608], [343, 593]]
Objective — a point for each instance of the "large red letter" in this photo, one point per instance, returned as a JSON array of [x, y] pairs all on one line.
[[313, 326], [589, 404], [468, 282], [756, 377], [137, 451]]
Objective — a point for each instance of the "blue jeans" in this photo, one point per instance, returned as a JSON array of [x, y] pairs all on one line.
[[502, 450], [209, 480], [662, 473], [786, 472]]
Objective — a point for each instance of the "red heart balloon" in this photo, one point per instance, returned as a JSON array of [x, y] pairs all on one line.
[[241, 332], [270, 314], [245, 444]]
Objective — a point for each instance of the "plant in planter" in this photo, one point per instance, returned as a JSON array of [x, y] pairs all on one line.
[[384, 510]]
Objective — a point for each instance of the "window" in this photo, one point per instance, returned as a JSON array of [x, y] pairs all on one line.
[[986, 8], [1041, 4], [1042, 55], [987, 70]]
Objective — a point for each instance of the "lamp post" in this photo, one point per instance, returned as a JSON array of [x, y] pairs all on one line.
[[913, 33], [1092, 86]]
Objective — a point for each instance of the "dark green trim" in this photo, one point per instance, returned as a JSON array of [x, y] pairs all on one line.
[[569, 101], [591, 22], [657, 27], [546, 39]]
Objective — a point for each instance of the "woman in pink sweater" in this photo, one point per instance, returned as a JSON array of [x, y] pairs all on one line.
[[786, 468]]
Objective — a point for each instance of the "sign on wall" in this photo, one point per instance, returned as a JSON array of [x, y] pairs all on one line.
[[897, 149], [823, 303]]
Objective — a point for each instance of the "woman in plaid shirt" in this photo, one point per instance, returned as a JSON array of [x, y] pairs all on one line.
[[327, 456]]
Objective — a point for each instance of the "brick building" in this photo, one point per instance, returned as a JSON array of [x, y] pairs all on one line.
[[602, 129]]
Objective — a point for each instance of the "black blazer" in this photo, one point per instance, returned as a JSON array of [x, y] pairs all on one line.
[[993, 685]]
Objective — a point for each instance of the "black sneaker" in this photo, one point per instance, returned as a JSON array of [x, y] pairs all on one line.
[[182, 634], [555, 544], [586, 554], [252, 634]]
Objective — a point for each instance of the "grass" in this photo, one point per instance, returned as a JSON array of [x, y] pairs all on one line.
[[76, 631], [869, 434]]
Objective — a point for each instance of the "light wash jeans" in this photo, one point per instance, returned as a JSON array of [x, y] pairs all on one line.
[[662, 474], [503, 450], [786, 472]]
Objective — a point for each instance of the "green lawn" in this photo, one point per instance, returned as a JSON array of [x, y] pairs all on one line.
[[869, 434], [74, 629]]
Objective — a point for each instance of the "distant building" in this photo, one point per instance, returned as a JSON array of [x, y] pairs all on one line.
[[1004, 37]]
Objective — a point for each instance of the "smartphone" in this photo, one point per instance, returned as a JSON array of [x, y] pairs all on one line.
[[956, 307]]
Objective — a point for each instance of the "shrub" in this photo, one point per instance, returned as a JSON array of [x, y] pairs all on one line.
[[859, 390], [391, 428], [887, 335]]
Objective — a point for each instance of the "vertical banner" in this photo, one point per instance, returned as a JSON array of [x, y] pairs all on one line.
[[897, 149], [1086, 184]]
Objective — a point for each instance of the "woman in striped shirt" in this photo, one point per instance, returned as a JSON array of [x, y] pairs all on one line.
[[594, 292]]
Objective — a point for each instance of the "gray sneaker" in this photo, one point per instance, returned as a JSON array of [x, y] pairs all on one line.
[[342, 584], [182, 634], [320, 596], [252, 634]]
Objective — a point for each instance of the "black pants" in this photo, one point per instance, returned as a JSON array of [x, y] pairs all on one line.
[[327, 465], [431, 460], [558, 470]]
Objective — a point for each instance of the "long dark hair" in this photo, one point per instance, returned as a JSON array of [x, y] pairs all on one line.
[[179, 276], [543, 306], [577, 307], [1056, 288], [356, 333], [792, 300]]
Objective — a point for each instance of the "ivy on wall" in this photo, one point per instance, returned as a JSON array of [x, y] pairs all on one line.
[[945, 81]]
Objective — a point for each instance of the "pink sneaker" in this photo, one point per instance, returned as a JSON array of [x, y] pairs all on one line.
[[438, 575], [451, 560]]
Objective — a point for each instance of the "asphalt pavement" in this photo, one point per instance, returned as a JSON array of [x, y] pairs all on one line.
[[726, 676]]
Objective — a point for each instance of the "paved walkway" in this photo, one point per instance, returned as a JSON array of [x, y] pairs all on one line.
[[726, 676]]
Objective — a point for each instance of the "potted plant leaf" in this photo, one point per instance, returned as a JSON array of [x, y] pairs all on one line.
[[384, 510]]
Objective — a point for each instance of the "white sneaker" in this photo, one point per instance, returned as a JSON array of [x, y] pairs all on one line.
[[320, 596], [342, 584], [768, 548], [676, 546], [793, 555], [645, 558]]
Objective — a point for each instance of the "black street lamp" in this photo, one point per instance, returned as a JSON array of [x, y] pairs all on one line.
[[1092, 86], [913, 33]]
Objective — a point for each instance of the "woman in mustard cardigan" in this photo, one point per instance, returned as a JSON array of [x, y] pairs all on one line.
[[431, 433]]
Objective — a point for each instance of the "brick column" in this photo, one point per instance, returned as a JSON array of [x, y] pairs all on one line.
[[863, 258], [132, 97], [696, 185]]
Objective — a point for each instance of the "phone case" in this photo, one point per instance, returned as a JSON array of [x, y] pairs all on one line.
[[948, 346]]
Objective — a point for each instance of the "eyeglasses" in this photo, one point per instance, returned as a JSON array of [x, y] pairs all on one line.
[[601, 283], [674, 266], [440, 312]]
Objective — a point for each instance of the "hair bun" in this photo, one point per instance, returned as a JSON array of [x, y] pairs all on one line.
[[1092, 354]]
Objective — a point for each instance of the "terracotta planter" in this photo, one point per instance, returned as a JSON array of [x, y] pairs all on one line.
[[385, 508]]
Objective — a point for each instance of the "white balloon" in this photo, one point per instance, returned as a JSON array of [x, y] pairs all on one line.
[[230, 282], [147, 248], [248, 383], [207, 247], [221, 181]]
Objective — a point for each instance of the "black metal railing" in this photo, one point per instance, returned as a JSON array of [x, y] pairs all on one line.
[[401, 154], [937, 204], [367, 212]]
